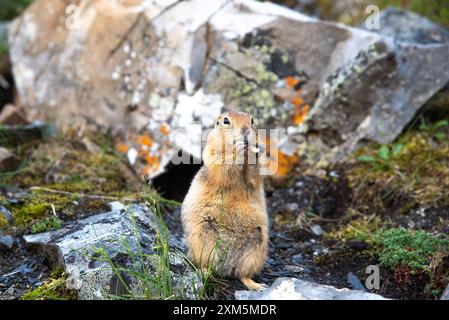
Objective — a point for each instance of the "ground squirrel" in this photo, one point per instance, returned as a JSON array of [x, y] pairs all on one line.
[[224, 213]]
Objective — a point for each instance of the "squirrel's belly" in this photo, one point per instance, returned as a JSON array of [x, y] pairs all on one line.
[[235, 248]]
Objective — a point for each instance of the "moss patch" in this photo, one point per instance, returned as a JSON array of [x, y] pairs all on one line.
[[58, 174], [53, 289], [4, 224], [363, 228], [416, 176]]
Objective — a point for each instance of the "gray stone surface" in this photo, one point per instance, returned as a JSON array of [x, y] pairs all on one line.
[[407, 26], [296, 289], [6, 241], [78, 246]]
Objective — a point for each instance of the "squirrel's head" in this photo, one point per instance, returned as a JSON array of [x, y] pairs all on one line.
[[232, 138]]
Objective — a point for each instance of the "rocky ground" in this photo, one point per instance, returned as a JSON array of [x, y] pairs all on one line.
[[324, 222], [71, 199]]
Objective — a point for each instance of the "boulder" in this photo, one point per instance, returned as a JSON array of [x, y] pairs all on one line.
[[11, 115], [102, 253], [157, 76], [8, 161], [297, 289], [410, 27]]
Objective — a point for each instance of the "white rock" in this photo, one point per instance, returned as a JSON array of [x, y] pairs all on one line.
[[296, 289]]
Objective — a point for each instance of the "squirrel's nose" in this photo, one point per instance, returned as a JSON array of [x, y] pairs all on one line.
[[246, 131]]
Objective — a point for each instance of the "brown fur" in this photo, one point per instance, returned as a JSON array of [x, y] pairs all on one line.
[[224, 214]]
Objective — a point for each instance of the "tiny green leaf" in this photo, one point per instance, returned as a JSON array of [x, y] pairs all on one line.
[[367, 159], [384, 153], [397, 149]]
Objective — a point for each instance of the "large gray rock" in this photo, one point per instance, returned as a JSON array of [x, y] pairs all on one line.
[[296, 289], [160, 76], [407, 26], [128, 238]]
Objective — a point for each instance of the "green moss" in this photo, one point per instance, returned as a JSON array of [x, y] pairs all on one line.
[[37, 206], [362, 229], [4, 224], [53, 289]]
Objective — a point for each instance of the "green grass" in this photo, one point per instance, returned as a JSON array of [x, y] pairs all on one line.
[[153, 273], [53, 289]]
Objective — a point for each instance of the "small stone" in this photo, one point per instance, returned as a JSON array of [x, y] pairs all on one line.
[[8, 161], [296, 269], [298, 259], [6, 213], [354, 282], [292, 207], [317, 230], [6, 241], [116, 206], [12, 116]]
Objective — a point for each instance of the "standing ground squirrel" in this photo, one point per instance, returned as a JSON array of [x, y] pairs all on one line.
[[224, 213]]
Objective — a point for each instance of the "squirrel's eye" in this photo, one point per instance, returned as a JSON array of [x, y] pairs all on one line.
[[226, 121], [217, 123]]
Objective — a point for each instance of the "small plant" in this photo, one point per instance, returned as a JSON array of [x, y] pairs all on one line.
[[48, 224], [435, 130], [411, 250], [384, 156], [153, 271], [53, 289]]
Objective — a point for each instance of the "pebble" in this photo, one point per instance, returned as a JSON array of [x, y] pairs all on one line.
[[6, 213], [354, 282], [6, 241], [317, 230], [298, 259]]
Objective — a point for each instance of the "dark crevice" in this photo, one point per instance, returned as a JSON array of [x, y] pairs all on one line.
[[174, 183]]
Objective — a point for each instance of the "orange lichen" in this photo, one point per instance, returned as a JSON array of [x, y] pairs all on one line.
[[291, 82], [165, 129], [297, 101], [122, 148], [300, 113], [284, 163], [145, 140], [152, 164]]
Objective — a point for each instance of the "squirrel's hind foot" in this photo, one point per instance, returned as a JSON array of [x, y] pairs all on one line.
[[252, 285]]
